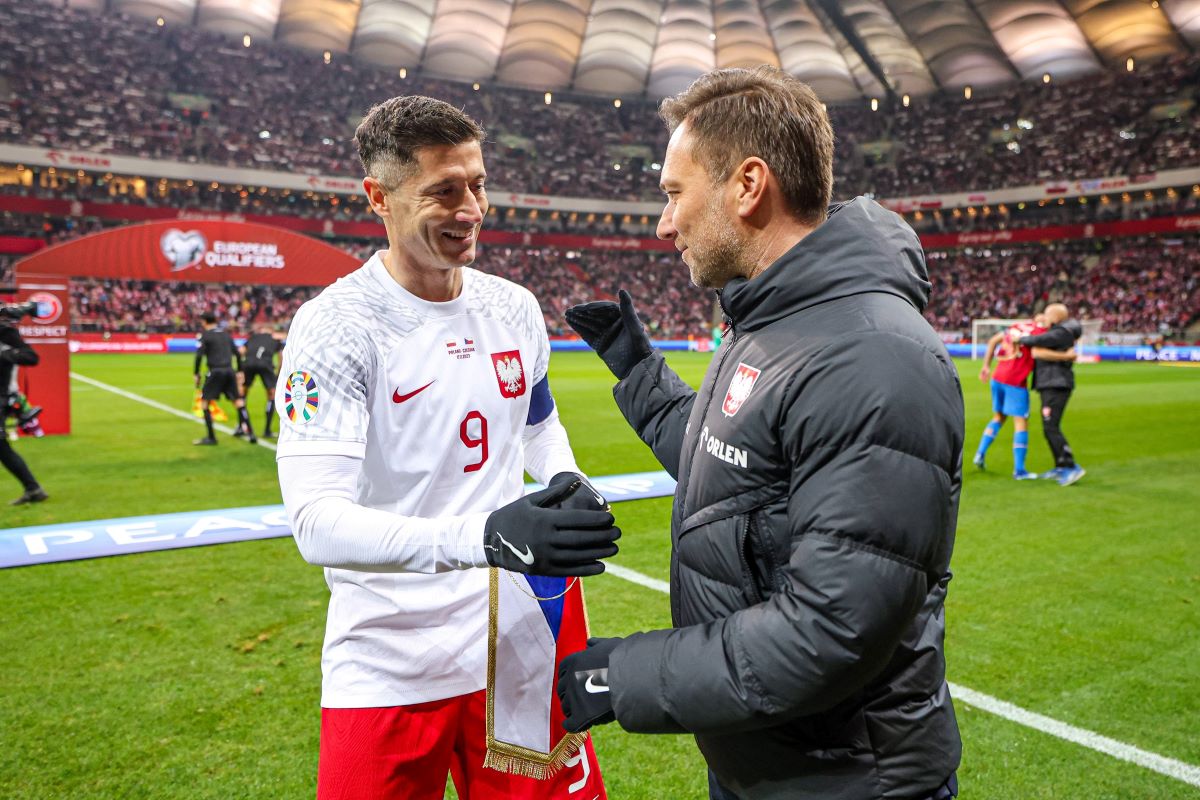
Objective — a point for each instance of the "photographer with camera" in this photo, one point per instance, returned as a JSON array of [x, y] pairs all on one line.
[[14, 351]]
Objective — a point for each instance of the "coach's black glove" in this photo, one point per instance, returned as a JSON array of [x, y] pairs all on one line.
[[583, 686], [614, 332], [552, 532]]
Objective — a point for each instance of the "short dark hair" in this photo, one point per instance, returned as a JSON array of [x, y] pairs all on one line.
[[392, 131], [734, 114], [209, 318]]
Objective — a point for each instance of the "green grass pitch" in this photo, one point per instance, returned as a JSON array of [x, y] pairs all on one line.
[[194, 673]]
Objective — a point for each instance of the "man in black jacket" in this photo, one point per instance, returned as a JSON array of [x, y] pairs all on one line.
[[818, 467], [1054, 379], [14, 350]]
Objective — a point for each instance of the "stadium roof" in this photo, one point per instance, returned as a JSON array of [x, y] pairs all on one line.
[[845, 49]]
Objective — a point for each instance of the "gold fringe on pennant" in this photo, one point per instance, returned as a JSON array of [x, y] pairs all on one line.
[[531, 763]]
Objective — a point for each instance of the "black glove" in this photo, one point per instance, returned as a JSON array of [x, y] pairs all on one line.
[[614, 332], [583, 686], [585, 498], [544, 534]]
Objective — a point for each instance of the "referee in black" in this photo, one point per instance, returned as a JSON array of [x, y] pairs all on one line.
[[216, 347], [1054, 378], [258, 361]]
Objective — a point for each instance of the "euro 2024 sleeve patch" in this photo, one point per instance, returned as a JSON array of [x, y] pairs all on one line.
[[301, 397]]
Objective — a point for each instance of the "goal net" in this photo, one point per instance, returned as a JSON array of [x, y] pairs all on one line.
[[984, 329]]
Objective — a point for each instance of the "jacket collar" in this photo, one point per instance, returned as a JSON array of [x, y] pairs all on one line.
[[861, 247]]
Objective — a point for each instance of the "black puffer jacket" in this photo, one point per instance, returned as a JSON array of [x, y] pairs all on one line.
[[819, 469], [1055, 374]]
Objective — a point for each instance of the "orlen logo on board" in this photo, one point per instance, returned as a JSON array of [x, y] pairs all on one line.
[[183, 250], [49, 307]]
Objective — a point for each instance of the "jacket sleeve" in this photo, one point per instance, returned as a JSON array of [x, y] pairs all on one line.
[[875, 437], [1057, 338], [656, 403], [18, 351]]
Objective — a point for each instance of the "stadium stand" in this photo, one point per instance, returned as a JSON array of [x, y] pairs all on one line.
[[1141, 284], [126, 84], [133, 88]]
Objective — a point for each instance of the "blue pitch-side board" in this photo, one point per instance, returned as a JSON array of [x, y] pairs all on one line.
[[42, 544], [1106, 352]]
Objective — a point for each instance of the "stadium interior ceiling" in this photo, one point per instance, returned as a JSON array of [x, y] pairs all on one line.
[[845, 49]]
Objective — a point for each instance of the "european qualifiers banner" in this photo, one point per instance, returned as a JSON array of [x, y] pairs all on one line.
[[72, 541], [194, 250]]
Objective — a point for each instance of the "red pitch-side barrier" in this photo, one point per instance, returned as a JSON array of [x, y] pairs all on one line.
[[203, 251]]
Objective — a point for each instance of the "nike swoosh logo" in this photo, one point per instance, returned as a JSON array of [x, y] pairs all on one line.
[[400, 398], [526, 557], [593, 688]]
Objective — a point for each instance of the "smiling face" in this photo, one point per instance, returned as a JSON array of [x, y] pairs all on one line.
[[695, 217], [434, 215]]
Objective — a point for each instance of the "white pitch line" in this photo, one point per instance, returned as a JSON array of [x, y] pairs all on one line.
[[1179, 770], [1172, 768], [137, 398]]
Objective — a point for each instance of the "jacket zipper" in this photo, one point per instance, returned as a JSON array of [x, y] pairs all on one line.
[[755, 594], [682, 490]]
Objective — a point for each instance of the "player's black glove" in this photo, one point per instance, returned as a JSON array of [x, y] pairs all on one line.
[[553, 532], [614, 332], [583, 686], [585, 498]]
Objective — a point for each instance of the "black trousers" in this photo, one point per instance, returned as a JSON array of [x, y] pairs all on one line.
[[1054, 404], [15, 464]]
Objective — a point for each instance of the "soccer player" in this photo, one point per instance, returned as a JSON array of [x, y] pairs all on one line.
[[1010, 392], [258, 361], [414, 394], [216, 346]]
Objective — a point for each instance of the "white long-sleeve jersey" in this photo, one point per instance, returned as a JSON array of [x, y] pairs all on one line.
[[404, 423]]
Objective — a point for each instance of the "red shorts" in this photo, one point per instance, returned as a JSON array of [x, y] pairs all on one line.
[[405, 752]]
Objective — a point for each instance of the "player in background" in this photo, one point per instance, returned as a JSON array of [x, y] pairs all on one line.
[[1010, 391], [216, 347], [413, 396], [258, 361]]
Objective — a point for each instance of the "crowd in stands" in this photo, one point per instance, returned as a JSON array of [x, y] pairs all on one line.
[[1139, 284], [261, 201], [1147, 285], [132, 306], [671, 307], [111, 84]]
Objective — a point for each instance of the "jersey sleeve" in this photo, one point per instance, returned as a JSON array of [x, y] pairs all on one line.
[[535, 323], [322, 394]]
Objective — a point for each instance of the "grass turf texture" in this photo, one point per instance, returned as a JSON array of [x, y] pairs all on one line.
[[194, 673]]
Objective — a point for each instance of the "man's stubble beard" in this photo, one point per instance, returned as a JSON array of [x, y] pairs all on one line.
[[724, 253]]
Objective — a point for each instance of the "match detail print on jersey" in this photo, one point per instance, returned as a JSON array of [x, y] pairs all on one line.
[[510, 373], [739, 388], [301, 398]]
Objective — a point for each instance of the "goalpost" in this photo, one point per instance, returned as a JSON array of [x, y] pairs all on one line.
[[985, 328]]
